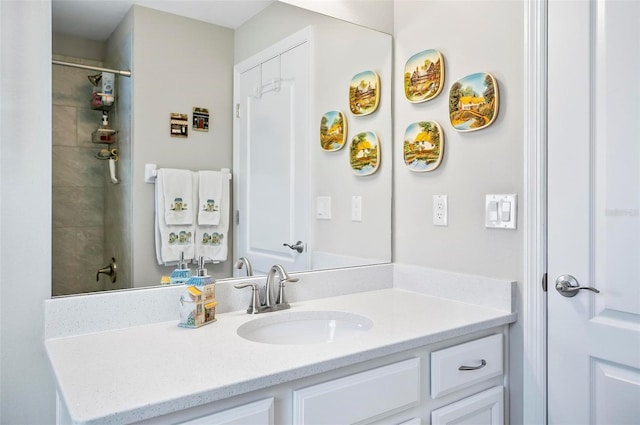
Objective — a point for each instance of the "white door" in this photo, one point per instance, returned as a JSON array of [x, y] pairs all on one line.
[[594, 219], [272, 98]]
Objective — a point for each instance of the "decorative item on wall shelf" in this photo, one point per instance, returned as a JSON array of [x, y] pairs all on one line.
[[364, 93], [473, 102], [179, 126], [423, 76], [200, 121], [423, 146], [364, 153], [333, 131]]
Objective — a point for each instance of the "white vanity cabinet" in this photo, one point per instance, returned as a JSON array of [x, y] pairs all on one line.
[[461, 366], [486, 407], [359, 397], [256, 413], [405, 370], [420, 386]]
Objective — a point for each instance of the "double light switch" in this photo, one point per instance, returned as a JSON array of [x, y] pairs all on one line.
[[501, 211]]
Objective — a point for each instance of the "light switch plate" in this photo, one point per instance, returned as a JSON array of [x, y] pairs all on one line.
[[500, 211], [323, 207]]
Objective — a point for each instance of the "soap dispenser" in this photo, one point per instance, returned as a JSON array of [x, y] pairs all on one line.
[[201, 277], [198, 302], [181, 274]]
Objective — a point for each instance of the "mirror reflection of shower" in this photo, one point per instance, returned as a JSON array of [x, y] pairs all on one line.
[[91, 155]]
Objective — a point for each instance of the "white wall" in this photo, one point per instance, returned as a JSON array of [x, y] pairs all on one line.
[[178, 63], [473, 36], [26, 385], [374, 14]]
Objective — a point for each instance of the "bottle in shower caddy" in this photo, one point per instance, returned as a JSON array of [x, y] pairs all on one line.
[[181, 274]]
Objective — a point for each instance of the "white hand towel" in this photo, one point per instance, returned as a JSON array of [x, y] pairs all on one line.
[[171, 240], [212, 241], [210, 197], [178, 195]]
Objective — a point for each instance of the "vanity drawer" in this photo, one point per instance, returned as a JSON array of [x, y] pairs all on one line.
[[359, 397], [466, 364]]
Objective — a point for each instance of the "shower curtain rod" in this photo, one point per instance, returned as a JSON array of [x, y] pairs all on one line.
[[94, 68]]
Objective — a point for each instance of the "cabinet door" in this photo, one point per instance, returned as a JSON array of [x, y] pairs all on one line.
[[256, 413], [359, 397], [483, 408]]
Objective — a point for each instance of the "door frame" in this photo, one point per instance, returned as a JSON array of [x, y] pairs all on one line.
[[534, 299]]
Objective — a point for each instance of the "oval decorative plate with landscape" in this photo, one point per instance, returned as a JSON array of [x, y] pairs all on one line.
[[423, 146], [364, 153], [423, 76], [333, 131], [364, 93], [473, 102]]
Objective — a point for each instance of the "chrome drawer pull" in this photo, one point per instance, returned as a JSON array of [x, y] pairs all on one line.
[[483, 363]]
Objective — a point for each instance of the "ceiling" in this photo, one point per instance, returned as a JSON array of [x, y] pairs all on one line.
[[96, 19]]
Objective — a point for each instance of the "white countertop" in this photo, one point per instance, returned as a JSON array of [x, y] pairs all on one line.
[[127, 375]]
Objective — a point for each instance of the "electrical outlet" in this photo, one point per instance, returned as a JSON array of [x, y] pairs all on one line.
[[440, 211], [356, 208]]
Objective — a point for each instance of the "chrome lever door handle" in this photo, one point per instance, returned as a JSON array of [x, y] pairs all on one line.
[[298, 246], [568, 286]]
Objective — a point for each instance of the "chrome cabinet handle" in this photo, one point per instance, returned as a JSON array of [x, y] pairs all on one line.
[[482, 364], [568, 286], [298, 246]]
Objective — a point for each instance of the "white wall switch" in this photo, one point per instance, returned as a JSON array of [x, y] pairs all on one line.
[[501, 211], [440, 210], [323, 207], [356, 208]]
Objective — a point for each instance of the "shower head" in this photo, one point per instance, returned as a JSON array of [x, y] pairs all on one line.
[[95, 79]]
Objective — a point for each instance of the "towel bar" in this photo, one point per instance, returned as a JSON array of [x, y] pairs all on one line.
[[151, 172]]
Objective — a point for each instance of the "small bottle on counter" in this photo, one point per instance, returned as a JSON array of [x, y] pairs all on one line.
[[198, 300]]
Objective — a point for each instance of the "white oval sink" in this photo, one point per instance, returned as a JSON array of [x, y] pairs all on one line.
[[305, 327]]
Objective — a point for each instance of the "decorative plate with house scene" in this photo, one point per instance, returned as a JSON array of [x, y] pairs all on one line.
[[364, 93], [364, 153], [333, 131], [473, 102], [423, 76], [423, 146]]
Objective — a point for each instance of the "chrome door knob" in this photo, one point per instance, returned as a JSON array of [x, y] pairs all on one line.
[[568, 286]]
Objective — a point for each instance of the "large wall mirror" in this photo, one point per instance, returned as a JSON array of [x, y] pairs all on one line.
[[178, 64]]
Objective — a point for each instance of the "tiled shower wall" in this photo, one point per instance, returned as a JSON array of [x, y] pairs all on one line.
[[80, 182]]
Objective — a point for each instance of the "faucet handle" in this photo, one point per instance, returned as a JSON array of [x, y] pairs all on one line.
[[281, 301], [254, 306]]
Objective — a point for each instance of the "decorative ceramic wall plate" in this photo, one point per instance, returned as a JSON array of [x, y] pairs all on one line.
[[423, 76], [473, 102], [364, 153], [364, 93], [333, 131], [423, 146]]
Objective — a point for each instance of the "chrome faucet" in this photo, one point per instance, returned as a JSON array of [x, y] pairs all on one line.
[[247, 264], [257, 306], [284, 278]]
